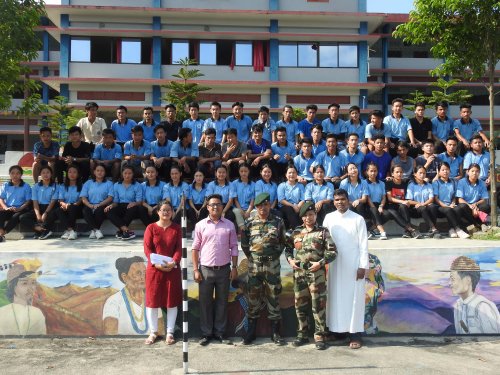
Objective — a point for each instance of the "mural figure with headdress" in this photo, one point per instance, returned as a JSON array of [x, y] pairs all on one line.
[[20, 317], [473, 313]]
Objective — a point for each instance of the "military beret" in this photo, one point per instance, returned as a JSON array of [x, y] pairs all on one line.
[[307, 206], [261, 198]]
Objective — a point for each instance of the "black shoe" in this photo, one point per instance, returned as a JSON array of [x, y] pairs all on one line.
[[204, 341], [223, 340], [119, 234], [320, 345], [128, 235], [299, 341], [36, 235], [2, 238], [45, 234], [275, 336], [250, 336]]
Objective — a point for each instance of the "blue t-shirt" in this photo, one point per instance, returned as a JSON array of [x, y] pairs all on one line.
[[467, 130], [102, 152], [292, 130], [383, 162], [270, 188], [68, 194], [161, 151], [354, 191], [15, 196], [224, 191], [454, 161], [126, 194], [419, 193], [359, 129], [338, 128], [123, 131], [357, 158], [471, 193], [242, 126], [152, 194], [333, 164], [148, 131], [282, 150], [291, 193], [219, 125], [444, 191], [52, 150], [376, 190], [303, 166], [371, 131], [399, 128], [254, 148], [44, 194], [268, 128], [482, 159], [96, 192], [196, 127], [305, 127], [178, 151], [442, 129], [314, 192], [197, 196], [143, 150], [174, 193], [245, 192], [319, 148]]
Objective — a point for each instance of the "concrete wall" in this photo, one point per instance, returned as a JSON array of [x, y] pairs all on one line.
[[135, 3], [94, 70], [216, 4], [330, 6], [319, 74], [212, 72]]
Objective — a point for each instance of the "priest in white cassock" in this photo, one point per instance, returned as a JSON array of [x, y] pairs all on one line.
[[345, 310]]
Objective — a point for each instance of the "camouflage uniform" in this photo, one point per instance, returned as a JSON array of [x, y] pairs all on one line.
[[315, 245], [263, 242]]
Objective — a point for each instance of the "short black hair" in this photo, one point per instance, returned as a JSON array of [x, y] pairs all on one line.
[[420, 104], [90, 105], [147, 109], [443, 104], [45, 129], [354, 108], [465, 105], [280, 129], [397, 100], [317, 126], [137, 129], [378, 136], [160, 127], [336, 105], [217, 104], [339, 192], [257, 128], [306, 140], [194, 105], [183, 133], [314, 107], [75, 129], [171, 106], [377, 113], [264, 109], [452, 138], [238, 104], [109, 131], [122, 107], [214, 196], [232, 131], [210, 131]]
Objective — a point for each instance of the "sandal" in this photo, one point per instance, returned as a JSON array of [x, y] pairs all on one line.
[[170, 339], [151, 339], [355, 344]]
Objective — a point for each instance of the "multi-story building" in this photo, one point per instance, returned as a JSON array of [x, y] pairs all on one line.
[[263, 52]]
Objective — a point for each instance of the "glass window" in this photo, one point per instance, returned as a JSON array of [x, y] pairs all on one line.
[[348, 55], [80, 50], [131, 51], [208, 53], [328, 56], [288, 55], [180, 50], [243, 53], [307, 55]]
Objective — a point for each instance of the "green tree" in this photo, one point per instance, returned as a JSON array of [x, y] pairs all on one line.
[[184, 92], [60, 117], [466, 35], [414, 98], [444, 94], [19, 43]]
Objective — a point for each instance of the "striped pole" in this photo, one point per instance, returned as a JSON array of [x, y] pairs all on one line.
[[184, 265]]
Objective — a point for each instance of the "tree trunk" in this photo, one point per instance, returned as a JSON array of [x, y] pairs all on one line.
[[493, 177], [26, 134]]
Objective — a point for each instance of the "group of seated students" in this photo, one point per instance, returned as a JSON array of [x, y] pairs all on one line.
[[99, 169]]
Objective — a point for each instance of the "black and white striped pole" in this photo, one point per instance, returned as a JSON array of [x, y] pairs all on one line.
[[184, 265]]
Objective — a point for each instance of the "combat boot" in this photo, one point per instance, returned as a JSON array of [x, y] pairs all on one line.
[[275, 335], [250, 335]]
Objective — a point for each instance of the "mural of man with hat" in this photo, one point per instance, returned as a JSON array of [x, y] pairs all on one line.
[[473, 313], [263, 240], [314, 248], [20, 317]]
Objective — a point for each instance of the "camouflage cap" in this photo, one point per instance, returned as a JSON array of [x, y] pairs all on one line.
[[307, 206], [261, 198]]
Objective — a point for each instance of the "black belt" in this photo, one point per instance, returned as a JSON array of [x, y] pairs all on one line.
[[216, 268], [265, 258]]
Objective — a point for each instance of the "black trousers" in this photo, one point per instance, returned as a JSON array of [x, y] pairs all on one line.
[[326, 208], [49, 220], [94, 218], [68, 217], [375, 215], [426, 213], [121, 216], [10, 219], [146, 218], [193, 219], [361, 209], [291, 218], [465, 213], [400, 213], [279, 172], [451, 214], [61, 167]]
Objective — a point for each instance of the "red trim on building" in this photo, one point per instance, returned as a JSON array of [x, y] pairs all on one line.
[[111, 95], [245, 98], [316, 99], [9, 121]]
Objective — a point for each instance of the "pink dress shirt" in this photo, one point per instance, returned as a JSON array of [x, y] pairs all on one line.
[[216, 242]]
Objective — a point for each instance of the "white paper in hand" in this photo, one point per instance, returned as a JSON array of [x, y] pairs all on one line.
[[160, 259]]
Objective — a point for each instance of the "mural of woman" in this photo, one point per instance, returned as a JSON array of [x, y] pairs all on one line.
[[124, 312], [20, 317]]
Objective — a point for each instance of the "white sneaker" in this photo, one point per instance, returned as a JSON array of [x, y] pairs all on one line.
[[453, 233], [65, 235], [485, 228], [462, 234], [383, 236], [98, 234], [92, 234], [72, 235]]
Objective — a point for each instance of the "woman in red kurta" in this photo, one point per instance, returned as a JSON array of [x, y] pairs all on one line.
[[163, 282]]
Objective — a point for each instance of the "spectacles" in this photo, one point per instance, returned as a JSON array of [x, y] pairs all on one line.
[[214, 205]]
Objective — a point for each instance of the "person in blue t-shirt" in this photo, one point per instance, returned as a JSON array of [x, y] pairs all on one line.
[[400, 126], [267, 123], [320, 192], [381, 158], [335, 125], [96, 196], [306, 124], [352, 154], [45, 152], [122, 126], [266, 185], [137, 153], [473, 197], [108, 154], [127, 198], [15, 200], [215, 122], [185, 152], [194, 122], [291, 126], [465, 127], [260, 151], [160, 153], [70, 202], [357, 190], [376, 198], [196, 198], [318, 144], [445, 205], [239, 121], [420, 197], [222, 187], [44, 197], [148, 124], [407, 163], [358, 126], [333, 163], [304, 160], [477, 155], [442, 126], [291, 198], [176, 192], [243, 194], [454, 160], [376, 127], [152, 194], [284, 152]]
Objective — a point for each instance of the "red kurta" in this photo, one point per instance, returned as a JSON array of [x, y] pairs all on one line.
[[163, 289]]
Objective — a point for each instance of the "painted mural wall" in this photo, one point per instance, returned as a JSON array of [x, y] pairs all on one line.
[[435, 291]]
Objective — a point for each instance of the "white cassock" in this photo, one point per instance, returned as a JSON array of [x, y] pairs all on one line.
[[345, 311]]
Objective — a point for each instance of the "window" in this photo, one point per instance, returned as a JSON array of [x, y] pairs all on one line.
[[131, 51], [80, 50], [308, 57], [180, 50], [348, 55], [328, 56], [104, 50], [243, 53], [208, 53], [288, 55]]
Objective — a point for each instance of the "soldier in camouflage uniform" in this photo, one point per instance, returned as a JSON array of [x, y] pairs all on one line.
[[263, 240], [314, 248]]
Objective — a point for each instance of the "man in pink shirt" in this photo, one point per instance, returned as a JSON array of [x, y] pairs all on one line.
[[215, 262]]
